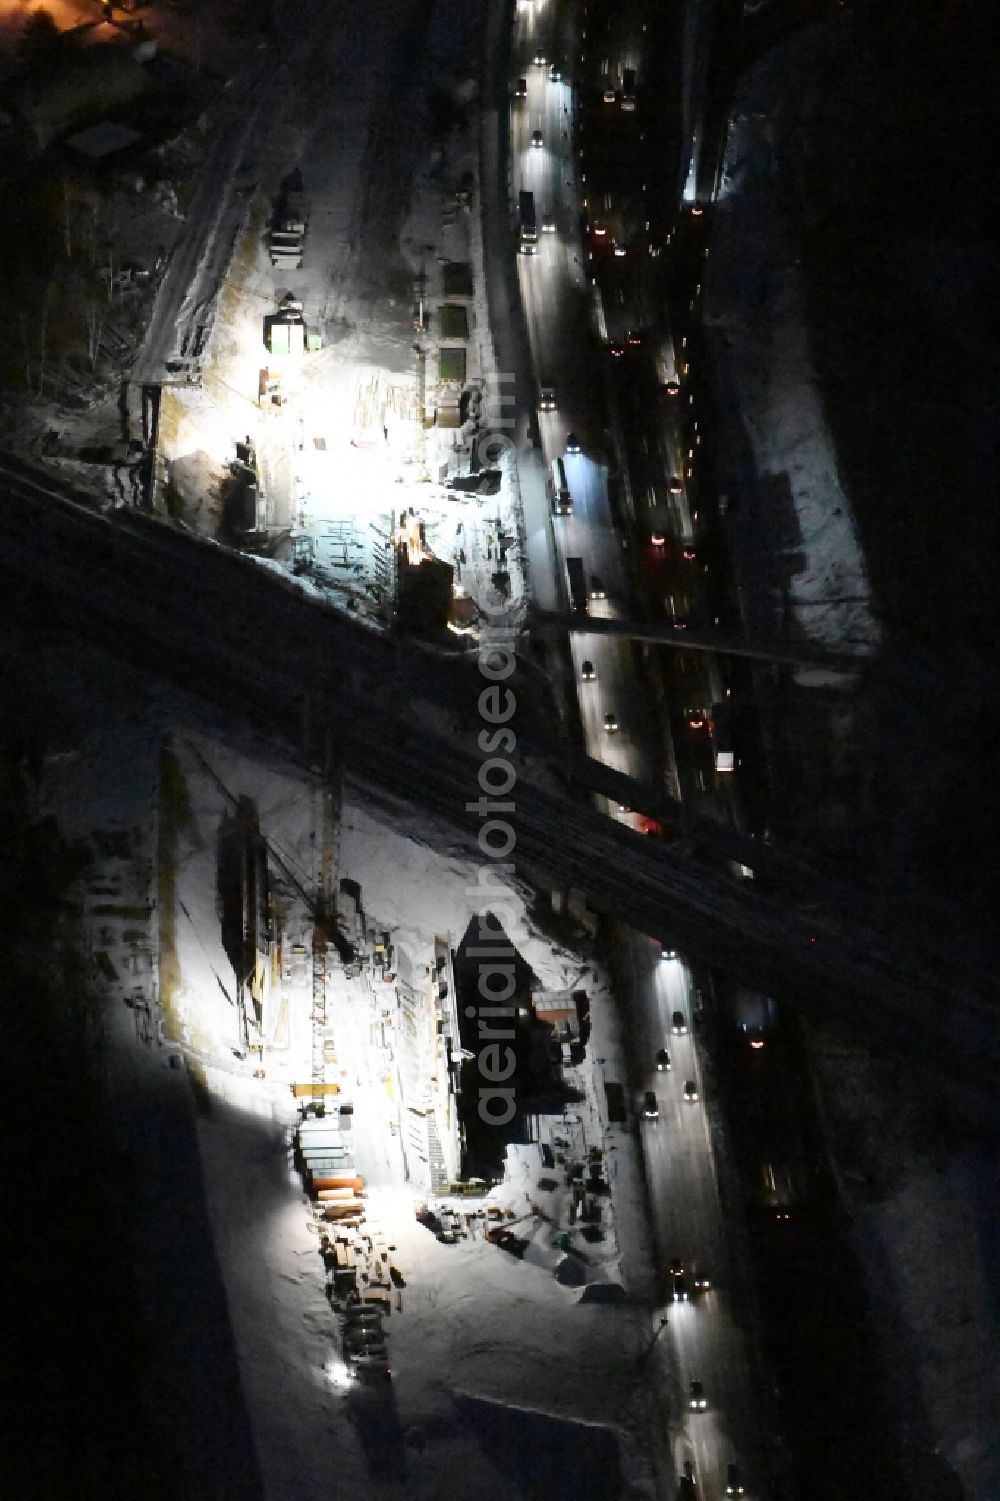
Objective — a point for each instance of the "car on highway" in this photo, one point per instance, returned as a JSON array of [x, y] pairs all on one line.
[[610, 93], [674, 485], [556, 72], [539, 59], [650, 1108], [686, 1489], [663, 1062], [678, 1288], [676, 1266], [587, 673], [700, 1279], [611, 724], [616, 351], [620, 251], [668, 954], [696, 1397], [547, 398], [536, 139], [658, 539], [734, 1481], [521, 89], [572, 443], [690, 1091], [548, 224], [678, 1025], [633, 338], [596, 587]]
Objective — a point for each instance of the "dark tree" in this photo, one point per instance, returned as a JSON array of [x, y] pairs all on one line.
[[39, 37]]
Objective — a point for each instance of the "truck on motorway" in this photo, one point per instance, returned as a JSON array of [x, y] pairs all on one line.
[[578, 592], [562, 500], [722, 737], [777, 1188], [528, 223]]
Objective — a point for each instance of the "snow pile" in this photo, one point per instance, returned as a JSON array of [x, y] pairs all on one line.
[[416, 890]]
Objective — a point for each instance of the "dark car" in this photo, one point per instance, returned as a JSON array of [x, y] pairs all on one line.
[[696, 1397], [663, 1061], [611, 723], [536, 139], [678, 1288], [596, 587], [572, 443], [676, 1266], [678, 1024], [734, 1481], [587, 672], [690, 1091], [650, 1108]]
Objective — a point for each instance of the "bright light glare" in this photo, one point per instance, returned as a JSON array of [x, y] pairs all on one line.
[[338, 1374]]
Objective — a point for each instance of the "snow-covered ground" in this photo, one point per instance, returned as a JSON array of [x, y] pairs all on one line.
[[505, 1380], [354, 443], [798, 554], [920, 1199]]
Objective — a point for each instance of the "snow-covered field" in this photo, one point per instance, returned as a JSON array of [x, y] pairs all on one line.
[[795, 539], [505, 1380]]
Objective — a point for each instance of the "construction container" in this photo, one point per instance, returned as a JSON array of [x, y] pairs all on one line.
[[347, 1258], [340, 1164], [321, 1124], [342, 1209], [325, 1181], [377, 1297]]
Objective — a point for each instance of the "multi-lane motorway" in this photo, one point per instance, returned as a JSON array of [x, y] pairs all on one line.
[[702, 1340]]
